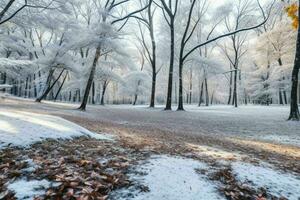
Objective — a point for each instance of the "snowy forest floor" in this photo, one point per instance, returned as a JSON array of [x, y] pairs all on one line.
[[247, 153]]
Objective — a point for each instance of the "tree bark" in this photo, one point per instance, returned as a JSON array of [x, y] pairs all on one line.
[[201, 94], [230, 86], [280, 97], [206, 92], [153, 90], [235, 88], [103, 93], [171, 67], [191, 86], [294, 110], [49, 89], [135, 99], [90, 80], [93, 93], [153, 62], [61, 86], [26, 88]]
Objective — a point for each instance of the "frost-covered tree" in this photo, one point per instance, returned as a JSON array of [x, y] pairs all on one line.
[[136, 83]]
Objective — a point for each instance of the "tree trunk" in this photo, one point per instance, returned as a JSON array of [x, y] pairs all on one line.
[[29, 87], [135, 99], [49, 89], [180, 94], [201, 94], [26, 88], [246, 97], [235, 88], [230, 86], [90, 80], [294, 112], [153, 89], [206, 92], [4, 80], [212, 98], [34, 86], [103, 93], [61, 86], [153, 63], [93, 93], [48, 82], [280, 97], [171, 68], [191, 86]]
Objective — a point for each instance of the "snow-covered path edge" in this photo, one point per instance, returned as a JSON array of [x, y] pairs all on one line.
[[22, 129]]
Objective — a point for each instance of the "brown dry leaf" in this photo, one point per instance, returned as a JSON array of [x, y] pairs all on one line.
[[85, 162]]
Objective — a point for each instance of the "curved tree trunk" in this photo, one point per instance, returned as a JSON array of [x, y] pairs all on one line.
[[49, 89], [90, 80], [61, 86]]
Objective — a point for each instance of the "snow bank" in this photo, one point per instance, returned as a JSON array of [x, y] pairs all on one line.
[[174, 178], [5, 86], [277, 183], [23, 128], [28, 189]]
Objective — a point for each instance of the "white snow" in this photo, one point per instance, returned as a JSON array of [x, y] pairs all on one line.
[[4, 86], [175, 178], [19, 128], [31, 166], [277, 183], [27, 190]]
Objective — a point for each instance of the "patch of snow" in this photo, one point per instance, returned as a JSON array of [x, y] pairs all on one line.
[[5, 86], [27, 190], [19, 128], [31, 166], [174, 178], [277, 183]]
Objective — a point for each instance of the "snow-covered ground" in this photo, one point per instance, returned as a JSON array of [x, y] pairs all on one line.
[[27, 190], [172, 178], [262, 123], [277, 183], [166, 177], [19, 128], [175, 178]]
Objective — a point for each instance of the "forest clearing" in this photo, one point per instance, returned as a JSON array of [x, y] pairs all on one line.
[[149, 100]]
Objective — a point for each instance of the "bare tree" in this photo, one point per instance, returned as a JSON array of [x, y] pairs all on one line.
[[150, 51], [109, 6], [186, 37], [8, 12], [170, 11]]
